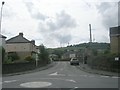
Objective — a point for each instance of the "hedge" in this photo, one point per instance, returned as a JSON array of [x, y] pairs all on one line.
[[104, 62]]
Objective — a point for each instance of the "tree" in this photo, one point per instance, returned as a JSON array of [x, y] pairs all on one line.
[[43, 56], [59, 53], [107, 51], [95, 53]]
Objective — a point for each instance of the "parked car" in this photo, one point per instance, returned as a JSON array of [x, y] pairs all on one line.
[[74, 61]]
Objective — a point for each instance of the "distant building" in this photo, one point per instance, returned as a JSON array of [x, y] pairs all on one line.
[[22, 46], [2, 41], [71, 54], [115, 39]]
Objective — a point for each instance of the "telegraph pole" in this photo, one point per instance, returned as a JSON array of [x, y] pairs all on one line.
[[90, 33], [1, 15]]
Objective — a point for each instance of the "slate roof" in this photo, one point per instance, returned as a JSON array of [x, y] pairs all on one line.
[[115, 30], [18, 39], [1, 36]]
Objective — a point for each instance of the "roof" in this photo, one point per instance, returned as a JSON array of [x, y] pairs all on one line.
[[1, 36], [18, 39], [115, 30]]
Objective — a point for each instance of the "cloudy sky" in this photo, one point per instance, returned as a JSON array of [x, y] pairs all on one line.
[[56, 23]]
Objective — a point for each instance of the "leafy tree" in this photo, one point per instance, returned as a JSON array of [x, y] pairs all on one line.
[[107, 51], [95, 53], [58, 53], [43, 56]]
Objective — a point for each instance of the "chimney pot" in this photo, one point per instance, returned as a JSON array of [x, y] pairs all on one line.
[[21, 34]]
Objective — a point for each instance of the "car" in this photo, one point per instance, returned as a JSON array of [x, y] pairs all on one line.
[[74, 61]]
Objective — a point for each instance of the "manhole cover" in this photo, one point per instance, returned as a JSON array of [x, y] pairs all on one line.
[[35, 84]]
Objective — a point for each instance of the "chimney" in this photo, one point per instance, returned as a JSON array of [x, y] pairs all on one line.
[[21, 34], [33, 42]]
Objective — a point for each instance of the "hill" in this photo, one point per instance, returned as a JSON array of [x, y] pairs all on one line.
[[95, 46]]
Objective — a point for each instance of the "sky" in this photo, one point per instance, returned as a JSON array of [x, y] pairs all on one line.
[[56, 23]]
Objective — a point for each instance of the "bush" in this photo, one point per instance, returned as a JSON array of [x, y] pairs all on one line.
[[104, 62], [13, 56], [29, 58], [95, 53], [7, 61]]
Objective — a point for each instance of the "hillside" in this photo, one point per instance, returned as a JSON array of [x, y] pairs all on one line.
[[95, 45]]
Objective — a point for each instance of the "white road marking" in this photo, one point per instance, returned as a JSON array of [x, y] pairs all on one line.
[[37, 84], [75, 87], [9, 81], [115, 77], [56, 74], [70, 80], [105, 76]]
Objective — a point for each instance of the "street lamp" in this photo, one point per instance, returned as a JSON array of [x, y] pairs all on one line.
[[1, 15]]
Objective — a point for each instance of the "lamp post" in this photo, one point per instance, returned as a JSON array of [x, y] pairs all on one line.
[[1, 15]]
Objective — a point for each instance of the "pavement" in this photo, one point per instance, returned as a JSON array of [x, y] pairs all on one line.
[[86, 68], [31, 71]]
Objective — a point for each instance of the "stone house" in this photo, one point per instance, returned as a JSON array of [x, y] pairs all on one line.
[[2, 41], [72, 54], [22, 46], [115, 39]]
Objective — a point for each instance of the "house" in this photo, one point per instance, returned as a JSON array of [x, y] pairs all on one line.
[[53, 57], [22, 46], [115, 39], [71, 54], [2, 41]]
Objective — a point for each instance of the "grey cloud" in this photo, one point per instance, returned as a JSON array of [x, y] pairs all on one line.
[[39, 16], [54, 28], [29, 6], [103, 6], [63, 20], [8, 12], [109, 12], [63, 38], [35, 14]]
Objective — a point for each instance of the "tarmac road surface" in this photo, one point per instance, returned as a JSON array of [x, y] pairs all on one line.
[[61, 75]]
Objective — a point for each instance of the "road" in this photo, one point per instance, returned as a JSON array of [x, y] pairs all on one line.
[[62, 75]]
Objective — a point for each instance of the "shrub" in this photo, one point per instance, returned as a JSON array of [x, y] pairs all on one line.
[[7, 61], [104, 62], [13, 56], [29, 58]]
